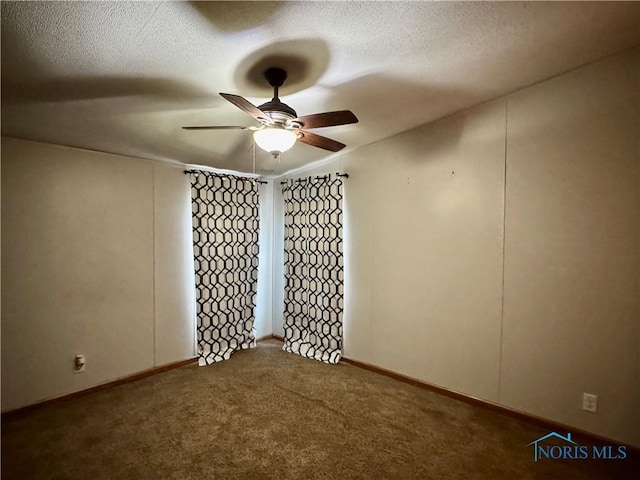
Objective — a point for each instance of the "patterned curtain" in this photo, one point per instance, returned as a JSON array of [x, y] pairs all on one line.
[[225, 218], [313, 268]]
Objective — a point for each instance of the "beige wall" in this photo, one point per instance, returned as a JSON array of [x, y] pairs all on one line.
[[90, 240], [173, 263], [571, 250], [437, 243]]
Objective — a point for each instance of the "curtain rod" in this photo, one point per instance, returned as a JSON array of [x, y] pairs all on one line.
[[324, 177], [187, 172]]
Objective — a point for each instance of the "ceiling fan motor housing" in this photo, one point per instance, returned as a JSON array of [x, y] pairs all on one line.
[[278, 111]]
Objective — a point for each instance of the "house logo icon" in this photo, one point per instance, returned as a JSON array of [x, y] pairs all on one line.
[[537, 449], [564, 447]]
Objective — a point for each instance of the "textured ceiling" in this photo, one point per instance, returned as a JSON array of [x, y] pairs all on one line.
[[122, 77]]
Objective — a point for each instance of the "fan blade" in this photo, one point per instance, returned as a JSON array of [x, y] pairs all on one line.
[[320, 142], [327, 119], [244, 105], [221, 127]]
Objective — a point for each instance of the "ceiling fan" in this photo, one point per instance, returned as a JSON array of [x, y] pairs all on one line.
[[280, 127]]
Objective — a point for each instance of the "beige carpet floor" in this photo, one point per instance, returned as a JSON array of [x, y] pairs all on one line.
[[267, 414]]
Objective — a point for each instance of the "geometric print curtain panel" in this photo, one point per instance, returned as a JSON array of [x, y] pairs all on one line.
[[225, 248], [314, 269]]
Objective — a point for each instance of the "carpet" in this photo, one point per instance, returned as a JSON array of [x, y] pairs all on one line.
[[267, 414]]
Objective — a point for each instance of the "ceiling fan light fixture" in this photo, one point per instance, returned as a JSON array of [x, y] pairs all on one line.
[[280, 125], [275, 140]]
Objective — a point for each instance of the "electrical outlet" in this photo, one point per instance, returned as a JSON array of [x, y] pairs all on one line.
[[590, 403], [78, 364]]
